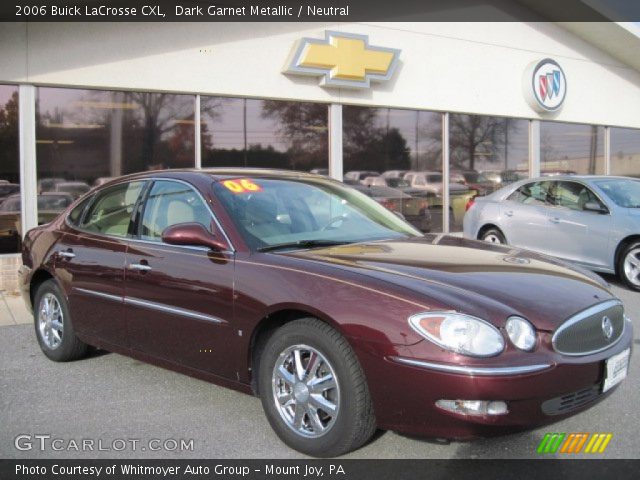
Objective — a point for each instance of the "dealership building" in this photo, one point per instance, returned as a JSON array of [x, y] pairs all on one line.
[[84, 102]]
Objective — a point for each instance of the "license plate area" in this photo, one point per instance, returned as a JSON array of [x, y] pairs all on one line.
[[615, 369]]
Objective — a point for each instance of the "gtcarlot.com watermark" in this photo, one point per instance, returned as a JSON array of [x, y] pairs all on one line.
[[44, 442]]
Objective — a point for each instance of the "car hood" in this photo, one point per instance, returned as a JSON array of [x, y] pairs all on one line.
[[477, 278]]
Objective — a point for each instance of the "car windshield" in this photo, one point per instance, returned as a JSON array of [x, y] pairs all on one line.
[[11, 204], [475, 177], [624, 193], [397, 182], [54, 202], [303, 211]]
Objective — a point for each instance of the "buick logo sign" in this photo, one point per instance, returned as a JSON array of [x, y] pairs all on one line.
[[607, 327], [545, 85]]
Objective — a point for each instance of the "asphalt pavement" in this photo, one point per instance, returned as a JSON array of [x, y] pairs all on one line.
[[112, 400]]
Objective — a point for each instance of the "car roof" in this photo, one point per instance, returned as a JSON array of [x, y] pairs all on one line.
[[218, 174], [584, 178]]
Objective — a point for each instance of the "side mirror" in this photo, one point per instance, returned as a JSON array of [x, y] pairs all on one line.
[[595, 207], [192, 234]]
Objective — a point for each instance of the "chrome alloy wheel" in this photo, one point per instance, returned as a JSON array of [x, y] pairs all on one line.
[[492, 238], [632, 266], [50, 321], [306, 391]]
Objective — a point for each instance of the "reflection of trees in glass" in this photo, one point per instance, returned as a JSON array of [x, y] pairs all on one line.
[[112, 133], [9, 163], [475, 136], [161, 128], [371, 143], [304, 127]]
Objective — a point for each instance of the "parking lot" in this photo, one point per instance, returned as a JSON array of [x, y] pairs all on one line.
[[109, 397]]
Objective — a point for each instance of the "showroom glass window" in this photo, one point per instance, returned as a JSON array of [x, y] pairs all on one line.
[[10, 227], [625, 152], [395, 157], [571, 148], [486, 153], [243, 132], [86, 137]]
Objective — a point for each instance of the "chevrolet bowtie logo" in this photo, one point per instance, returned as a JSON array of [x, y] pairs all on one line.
[[343, 59]]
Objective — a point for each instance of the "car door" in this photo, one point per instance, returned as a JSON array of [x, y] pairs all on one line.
[[90, 262], [579, 235], [179, 299], [524, 216]]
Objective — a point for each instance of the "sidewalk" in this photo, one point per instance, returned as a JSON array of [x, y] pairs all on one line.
[[13, 310]]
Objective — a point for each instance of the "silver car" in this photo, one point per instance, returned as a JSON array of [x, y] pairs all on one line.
[[593, 221]]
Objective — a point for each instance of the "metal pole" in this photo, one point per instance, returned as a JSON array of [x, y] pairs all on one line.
[[197, 141], [335, 141], [534, 148], [28, 170], [445, 173]]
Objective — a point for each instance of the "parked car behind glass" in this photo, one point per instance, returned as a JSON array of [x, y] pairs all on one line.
[[593, 221]]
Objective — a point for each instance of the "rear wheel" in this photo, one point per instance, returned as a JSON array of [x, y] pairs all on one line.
[[493, 235], [54, 331], [313, 390], [629, 266]]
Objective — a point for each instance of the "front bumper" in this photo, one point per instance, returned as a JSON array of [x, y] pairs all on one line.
[[404, 395]]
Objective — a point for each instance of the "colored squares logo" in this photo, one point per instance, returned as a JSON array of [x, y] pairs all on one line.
[[574, 443]]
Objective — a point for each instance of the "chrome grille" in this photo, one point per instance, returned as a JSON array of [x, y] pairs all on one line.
[[587, 332], [571, 401]]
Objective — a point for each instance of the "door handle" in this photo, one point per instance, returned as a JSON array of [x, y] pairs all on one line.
[[509, 213], [66, 254], [139, 267], [554, 220]]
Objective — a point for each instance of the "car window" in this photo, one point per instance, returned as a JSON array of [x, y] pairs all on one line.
[[572, 195], [170, 203], [76, 213], [111, 211], [536, 193], [419, 180]]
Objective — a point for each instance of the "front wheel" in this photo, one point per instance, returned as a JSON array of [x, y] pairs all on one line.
[[629, 266], [54, 331], [493, 235], [313, 390]]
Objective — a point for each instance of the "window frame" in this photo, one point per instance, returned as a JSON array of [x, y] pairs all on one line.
[[142, 203], [93, 196], [142, 207]]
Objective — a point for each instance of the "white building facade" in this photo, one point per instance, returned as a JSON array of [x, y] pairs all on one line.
[[83, 102]]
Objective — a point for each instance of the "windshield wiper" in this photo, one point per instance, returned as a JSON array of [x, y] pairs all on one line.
[[302, 244]]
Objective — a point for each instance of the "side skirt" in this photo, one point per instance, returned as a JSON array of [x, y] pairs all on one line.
[[167, 364]]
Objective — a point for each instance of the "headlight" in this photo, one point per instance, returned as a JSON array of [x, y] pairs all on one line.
[[459, 333], [521, 333]]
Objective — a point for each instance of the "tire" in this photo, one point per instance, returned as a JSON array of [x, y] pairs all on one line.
[[629, 266], [493, 235], [54, 330], [327, 432]]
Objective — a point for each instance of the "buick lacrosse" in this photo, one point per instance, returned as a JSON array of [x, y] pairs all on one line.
[[338, 314]]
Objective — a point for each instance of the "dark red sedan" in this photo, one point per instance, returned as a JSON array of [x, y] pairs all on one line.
[[342, 317]]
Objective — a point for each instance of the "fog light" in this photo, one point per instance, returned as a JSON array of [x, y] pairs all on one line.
[[474, 407]]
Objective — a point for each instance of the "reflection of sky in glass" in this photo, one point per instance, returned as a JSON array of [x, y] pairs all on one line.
[[226, 124]]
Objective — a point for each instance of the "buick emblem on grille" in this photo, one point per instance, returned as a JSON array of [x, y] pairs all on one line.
[[607, 327]]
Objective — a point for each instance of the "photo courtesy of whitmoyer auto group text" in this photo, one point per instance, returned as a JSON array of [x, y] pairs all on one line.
[[305, 239]]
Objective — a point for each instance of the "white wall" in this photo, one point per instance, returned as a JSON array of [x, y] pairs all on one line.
[[459, 67]]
